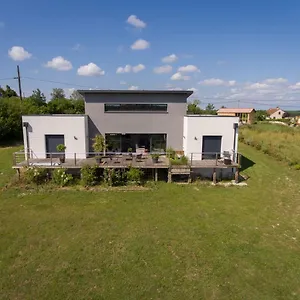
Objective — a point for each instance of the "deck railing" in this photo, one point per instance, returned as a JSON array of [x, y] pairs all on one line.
[[52, 158]]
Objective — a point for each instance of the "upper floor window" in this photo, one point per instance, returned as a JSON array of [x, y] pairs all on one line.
[[135, 107]]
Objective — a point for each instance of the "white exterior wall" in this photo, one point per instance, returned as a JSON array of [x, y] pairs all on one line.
[[73, 127], [195, 127], [279, 114]]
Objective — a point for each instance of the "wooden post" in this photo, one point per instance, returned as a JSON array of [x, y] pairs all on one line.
[[237, 175], [155, 175], [75, 158], [18, 173], [214, 176], [169, 175]]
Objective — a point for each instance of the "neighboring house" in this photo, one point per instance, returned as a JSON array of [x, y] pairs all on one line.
[[246, 115], [276, 113]]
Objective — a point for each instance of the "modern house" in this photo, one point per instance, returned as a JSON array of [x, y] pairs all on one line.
[[276, 113], [140, 122], [137, 119], [246, 115]]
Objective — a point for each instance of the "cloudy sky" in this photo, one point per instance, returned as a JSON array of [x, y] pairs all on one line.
[[229, 52]]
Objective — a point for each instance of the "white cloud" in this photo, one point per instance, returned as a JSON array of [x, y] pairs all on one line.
[[90, 69], [140, 45], [257, 86], [138, 68], [162, 69], [179, 76], [169, 59], [188, 69], [18, 53], [136, 22], [123, 82], [59, 63], [295, 86], [193, 89], [126, 69], [133, 88], [276, 80], [129, 68], [217, 82]]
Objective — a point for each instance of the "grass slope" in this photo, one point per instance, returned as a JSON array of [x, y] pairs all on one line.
[[281, 142], [173, 242]]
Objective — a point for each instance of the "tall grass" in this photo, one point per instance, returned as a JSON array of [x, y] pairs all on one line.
[[280, 142]]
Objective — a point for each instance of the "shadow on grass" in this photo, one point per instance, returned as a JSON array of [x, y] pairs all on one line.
[[246, 163]]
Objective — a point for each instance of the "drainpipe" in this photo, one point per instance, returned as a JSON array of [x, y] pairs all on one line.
[[235, 128], [25, 125]]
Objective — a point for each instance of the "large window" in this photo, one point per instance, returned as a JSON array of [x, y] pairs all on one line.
[[135, 107]]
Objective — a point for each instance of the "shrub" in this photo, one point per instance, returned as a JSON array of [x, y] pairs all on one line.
[[114, 177], [36, 175], [61, 148], [183, 160], [171, 153], [134, 175], [61, 178], [88, 175]]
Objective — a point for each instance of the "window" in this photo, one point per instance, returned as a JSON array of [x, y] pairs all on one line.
[[135, 107]]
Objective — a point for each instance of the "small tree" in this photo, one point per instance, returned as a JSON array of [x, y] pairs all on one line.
[[99, 143]]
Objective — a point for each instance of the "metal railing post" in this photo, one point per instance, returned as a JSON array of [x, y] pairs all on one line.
[[191, 159], [216, 159], [51, 158], [75, 158]]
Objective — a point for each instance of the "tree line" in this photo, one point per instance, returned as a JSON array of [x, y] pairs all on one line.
[[12, 109]]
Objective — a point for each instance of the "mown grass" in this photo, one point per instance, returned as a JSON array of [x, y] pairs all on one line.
[[170, 242], [281, 142]]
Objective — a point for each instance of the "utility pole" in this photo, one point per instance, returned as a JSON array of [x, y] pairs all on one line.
[[19, 81]]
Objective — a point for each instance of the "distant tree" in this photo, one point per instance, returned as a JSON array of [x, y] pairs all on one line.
[[210, 109], [58, 93], [78, 106], [223, 106], [260, 115], [194, 108], [38, 97], [8, 92], [76, 96]]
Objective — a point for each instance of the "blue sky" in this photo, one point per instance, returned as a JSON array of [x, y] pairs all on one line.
[[226, 51]]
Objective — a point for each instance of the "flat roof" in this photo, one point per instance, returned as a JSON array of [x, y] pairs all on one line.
[[236, 110], [215, 116], [56, 115], [170, 92]]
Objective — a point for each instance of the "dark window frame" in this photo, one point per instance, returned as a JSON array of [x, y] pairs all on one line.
[[135, 107]]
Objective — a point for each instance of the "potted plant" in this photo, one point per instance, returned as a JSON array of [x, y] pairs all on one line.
[[129, 150], [99, 147], [61, 148], [155, 157]]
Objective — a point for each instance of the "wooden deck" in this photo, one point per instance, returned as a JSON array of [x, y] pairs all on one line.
[[119, 162]]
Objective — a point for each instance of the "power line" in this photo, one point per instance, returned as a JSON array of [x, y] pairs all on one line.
[[57, 82], [11, 78]]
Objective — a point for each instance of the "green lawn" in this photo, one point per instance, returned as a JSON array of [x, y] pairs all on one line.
[[171, 242]]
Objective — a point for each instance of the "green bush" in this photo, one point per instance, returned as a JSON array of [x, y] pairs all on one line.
[[134, 176], [183, 160], [171, 153], [36, 175], [61, 178], [297, 167], [114, 177], [89, 176]]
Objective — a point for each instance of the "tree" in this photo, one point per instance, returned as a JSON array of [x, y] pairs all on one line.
[[58, 93], [38, 97], [193, 108], [260, 115], [76, 96], [210, 109], [8, 92]]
